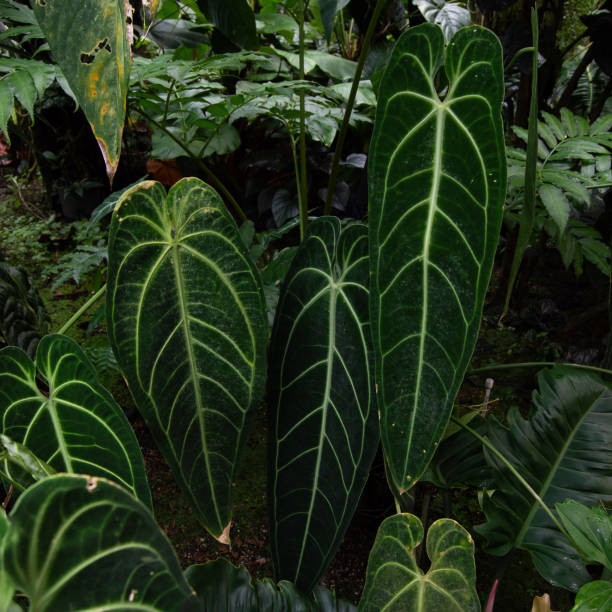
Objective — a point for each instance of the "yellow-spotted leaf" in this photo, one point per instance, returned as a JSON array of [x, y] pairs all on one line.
[[88, 39]]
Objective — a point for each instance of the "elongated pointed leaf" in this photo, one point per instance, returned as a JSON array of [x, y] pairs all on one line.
[[187, 323], [82, 543], [88, 40], [23, 461], [75, 425], [563, 451], [321, 400], [436, 182], [394, 581], [329, 10]]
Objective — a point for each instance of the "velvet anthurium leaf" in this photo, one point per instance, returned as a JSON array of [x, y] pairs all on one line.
[[394, 581], [88, 39], [219, 585], [324, 424], [68, 421], [83, 543], [562, 451], [187, 323], [6, 584], [437, 180]]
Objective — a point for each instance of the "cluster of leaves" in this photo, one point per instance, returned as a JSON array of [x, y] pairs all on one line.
[[22, 77], [191, 109], [573, 162]]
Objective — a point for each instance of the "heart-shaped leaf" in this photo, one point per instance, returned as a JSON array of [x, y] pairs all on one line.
[[562, 451], [82, 543], [74, 425], [187, 323], [322, 400], [437, 182], [88, 39], [394, 581]]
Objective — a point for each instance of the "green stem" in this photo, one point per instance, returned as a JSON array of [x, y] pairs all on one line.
[[365, 47], [213, 179], [302, 178], [539, 364], [86, 306], [527, 218], [516, 474], [167, 104], [517, 55]]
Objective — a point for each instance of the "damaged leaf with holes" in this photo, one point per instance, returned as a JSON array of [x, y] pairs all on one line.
[[88, 39]]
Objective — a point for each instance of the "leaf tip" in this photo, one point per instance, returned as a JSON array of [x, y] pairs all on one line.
[[224, 538]]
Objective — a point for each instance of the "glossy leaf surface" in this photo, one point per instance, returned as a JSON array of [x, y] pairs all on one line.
[[595, 596], [219, 585], [187, 323], [563, 452], [394, 581], [590, 529], [75, 425], [436, 186], [322, 401], [89, 42], [82, 543]]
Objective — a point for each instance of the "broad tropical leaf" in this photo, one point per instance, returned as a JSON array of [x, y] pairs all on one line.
[[590, 529], [394, 581], [82, 543], [595, 596], [563, 451], [73, 424], [322, 402], [436, 183], [23, 316], [187, 323], [88, 39], [221, 586]]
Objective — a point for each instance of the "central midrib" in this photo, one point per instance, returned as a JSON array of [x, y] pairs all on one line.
[[178, 273], [330, 353], [433, 195]]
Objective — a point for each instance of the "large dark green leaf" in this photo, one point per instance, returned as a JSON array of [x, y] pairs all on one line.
[[322, 402], [234, 19], [221, 586], [83, 543], [88, 40], [187, 323], [563, 451], [436, 182], [74, 424], [394, 581], [23, 316]]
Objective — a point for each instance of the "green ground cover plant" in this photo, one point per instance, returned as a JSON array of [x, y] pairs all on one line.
[[373, 328]]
